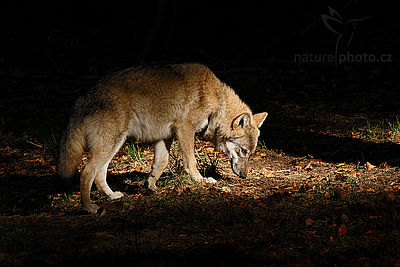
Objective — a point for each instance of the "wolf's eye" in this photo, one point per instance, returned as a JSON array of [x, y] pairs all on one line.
[[243, 151]]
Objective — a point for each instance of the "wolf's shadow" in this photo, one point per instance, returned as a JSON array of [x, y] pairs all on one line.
[[24, 195]]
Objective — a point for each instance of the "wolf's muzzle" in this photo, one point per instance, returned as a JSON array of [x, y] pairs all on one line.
[[239, 171]]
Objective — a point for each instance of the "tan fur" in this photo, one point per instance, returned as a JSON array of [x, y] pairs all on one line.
[[156, 105]]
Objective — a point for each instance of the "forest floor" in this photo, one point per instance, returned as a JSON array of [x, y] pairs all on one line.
[[323, 186]]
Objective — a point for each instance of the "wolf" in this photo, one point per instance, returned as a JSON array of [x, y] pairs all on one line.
[[156, 105]]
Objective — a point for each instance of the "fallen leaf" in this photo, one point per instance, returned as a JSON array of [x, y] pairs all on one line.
[[297, 167], [124, 157], [345, 170], [257, 220], [369, 166], [139, 168], [308, 166], [310, 179], [226, 189], [309, 222], [374, 217], [257, 157], [342, 229], [267, 172], [103, 212], [384, 165]]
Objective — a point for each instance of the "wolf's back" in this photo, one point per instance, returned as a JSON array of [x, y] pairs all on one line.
[[71, 149]]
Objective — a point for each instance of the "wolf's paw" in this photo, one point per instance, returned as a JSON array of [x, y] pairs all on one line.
[[91, 208], [116, 195], [151, 184], [210, 180]]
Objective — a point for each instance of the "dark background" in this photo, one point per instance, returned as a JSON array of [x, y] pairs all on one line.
[[53, 51], [93, 37]]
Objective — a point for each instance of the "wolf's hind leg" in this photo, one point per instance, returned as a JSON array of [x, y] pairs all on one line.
[[101, 175], [96, 170], [102, 185], [86, 181], [161, 153]]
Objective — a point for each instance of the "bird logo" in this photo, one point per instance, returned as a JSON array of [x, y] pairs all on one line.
[[344, 29]]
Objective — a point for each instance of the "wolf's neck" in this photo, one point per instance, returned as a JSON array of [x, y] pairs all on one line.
[[220, 121], [216, 122]]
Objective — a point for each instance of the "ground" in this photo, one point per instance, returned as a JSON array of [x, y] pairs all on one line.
[[323, 186]]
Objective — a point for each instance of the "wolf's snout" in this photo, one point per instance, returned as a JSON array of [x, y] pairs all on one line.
[[243, 172], [240, 171]]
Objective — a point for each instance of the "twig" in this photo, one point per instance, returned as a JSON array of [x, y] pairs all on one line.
[[34, 144]]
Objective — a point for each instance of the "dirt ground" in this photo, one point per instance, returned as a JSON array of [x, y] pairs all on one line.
[[323, 187]]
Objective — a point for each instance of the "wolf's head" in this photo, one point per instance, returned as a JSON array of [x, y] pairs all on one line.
[[242, 141]]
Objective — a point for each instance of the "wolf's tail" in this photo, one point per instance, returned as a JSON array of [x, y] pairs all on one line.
[[72, 146]]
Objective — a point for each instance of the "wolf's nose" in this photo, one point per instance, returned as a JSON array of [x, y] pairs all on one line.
[[243, 174]]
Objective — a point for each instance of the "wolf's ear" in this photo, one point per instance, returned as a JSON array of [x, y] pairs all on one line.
[[241, 121], [259, 118]]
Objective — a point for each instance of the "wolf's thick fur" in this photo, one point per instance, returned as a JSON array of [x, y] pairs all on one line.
[[156, 105]]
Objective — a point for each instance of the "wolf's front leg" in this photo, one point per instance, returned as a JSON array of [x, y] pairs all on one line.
[[161, 153], [185, 134]]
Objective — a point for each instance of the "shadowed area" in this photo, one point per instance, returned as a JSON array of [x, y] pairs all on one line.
[[323, 187]]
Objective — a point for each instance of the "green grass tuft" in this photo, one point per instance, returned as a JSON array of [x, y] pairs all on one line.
[[132, 150]]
